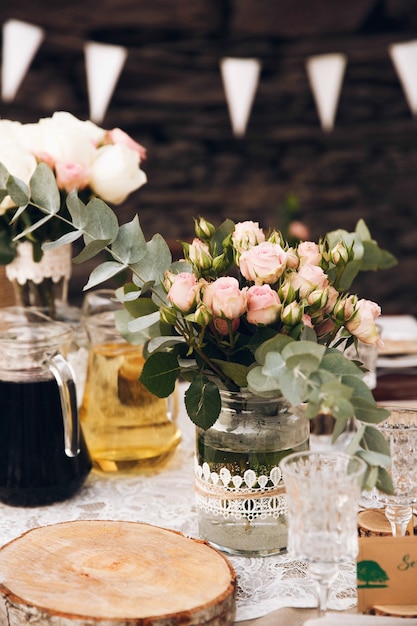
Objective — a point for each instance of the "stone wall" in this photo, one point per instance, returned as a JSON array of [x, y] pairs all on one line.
[[170, 98]]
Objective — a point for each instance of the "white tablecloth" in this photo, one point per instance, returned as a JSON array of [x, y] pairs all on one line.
[[166, 498]]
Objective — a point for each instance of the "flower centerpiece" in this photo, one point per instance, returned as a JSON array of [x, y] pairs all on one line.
[[95, 161], [243, 312]]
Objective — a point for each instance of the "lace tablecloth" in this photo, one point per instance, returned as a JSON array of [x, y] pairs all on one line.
[[165, 498]]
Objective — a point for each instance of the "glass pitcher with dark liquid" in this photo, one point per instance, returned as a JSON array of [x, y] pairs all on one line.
[[43, 455]]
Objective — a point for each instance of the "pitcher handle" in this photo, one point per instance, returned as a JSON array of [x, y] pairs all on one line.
[[64, 376]]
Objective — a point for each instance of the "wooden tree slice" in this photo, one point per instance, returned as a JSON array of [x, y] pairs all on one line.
[[112, 573]]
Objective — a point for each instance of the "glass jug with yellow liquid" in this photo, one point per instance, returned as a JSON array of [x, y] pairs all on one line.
[[127, 428]]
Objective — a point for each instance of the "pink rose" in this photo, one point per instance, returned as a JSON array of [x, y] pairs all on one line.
[[119, 136], [298, 230], [263, 263], [362, 323], [292, 259], [184, 291], [198, 252], [225, 299], [264, 305], [222, 326], [306, 319], [308, 278], [309, 252], [246, 235], [71, 176]]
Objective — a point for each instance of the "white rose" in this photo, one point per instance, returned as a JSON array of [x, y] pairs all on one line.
[[61, 138], [115, 173], [19, 162]]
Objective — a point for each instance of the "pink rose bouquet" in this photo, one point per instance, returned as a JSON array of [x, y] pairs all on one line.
[[242, 310]]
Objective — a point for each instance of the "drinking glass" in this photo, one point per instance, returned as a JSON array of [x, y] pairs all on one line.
[[322, 491], [400, 431]]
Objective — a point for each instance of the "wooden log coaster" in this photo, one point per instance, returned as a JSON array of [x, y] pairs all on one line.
[[114, 573], [395, 610], [373, 523]]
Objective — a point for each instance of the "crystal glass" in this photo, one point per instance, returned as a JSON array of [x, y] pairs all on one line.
[[323, 490], [400, 430]]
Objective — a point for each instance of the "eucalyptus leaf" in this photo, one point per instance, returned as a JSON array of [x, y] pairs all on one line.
[[32, 228], [102, 222], [130, 244], [258, 383], [44, 189], [155, 263], [18, 191], [162, 342], [62, 241], [103, 272], [91, 250], [143, 322], [77, 210]]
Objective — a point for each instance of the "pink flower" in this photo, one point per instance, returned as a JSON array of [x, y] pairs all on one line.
[[198, 252], [308, 278], [184, 291], [309, 252], [246, 235], [222, 326], [362, 323], [306, 319], [117, 135], [263, 263], [225, 299], [264, 305], [71, 176], [299, 230]]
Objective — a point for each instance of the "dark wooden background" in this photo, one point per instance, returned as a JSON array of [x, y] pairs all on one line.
[[170, 98]]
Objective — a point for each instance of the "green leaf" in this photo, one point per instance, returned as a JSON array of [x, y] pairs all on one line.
[[384, 482], [160, 373], [130, 244], [123, 319], [369, 412], [92, 249], [276, 344], [33, 227], [203, 402], [164, 341], [102, 222], [259, 383], [373, 439], [234, 371], [103, 272], [274, 364], [18, 191], [143, 322], [154, 264], [4, 175], [44, 190], [77, 210], [293, 387], [62, 241]]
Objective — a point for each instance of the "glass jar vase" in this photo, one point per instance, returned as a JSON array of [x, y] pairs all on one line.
[[239, 489]]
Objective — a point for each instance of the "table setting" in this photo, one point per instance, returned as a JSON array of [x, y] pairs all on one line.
[[183, 401]]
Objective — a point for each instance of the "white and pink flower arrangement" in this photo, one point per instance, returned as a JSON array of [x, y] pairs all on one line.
[[83, 156], [242, 310]]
